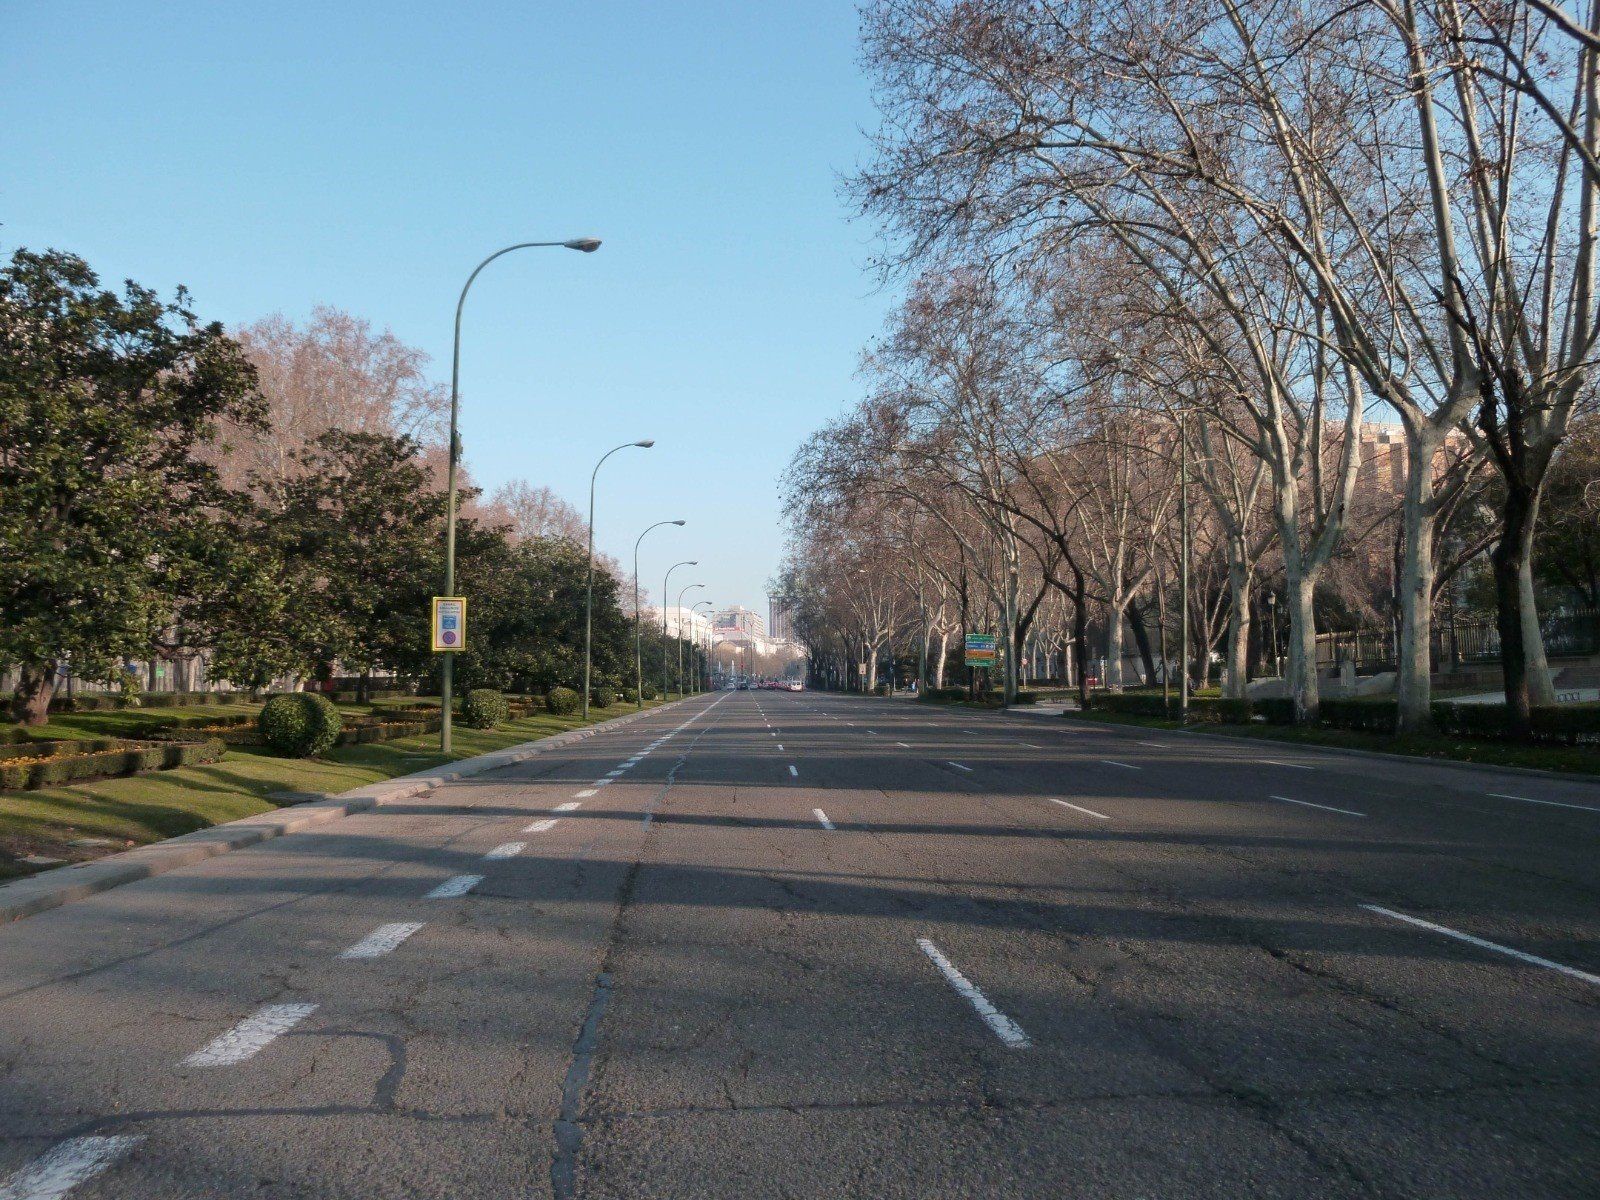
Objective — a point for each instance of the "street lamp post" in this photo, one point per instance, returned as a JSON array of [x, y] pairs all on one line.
[[638, 646], [688, 587], [690, 562], [696, 608], [447, 668], [588, 580]]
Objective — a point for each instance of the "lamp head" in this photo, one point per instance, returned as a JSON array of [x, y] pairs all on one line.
[[587, 245], [680, 522], [646, 444]]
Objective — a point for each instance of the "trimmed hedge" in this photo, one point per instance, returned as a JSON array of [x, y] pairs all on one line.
[[562, 701], [130, 758], [300, 724], [1025, 696], [105, 701], [360, 733], [602, 696], [484, 708], [935, 695], [1133, 704], [1363, 716], [1553, 725]]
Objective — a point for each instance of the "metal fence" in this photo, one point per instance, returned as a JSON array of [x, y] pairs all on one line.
[[1571, 633]]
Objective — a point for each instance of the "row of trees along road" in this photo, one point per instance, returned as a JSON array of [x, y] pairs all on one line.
[[273, 498], [1232, 231]]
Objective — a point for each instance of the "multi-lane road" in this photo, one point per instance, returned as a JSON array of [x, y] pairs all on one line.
[[798, 945]]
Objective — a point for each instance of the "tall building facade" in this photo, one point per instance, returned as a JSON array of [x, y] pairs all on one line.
[[738, 624], [780, 619]]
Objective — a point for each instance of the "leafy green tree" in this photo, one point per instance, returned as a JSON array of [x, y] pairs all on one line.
[[105, 506], [360, 533]]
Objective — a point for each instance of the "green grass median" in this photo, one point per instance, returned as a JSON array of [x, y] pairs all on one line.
[[88, 820]]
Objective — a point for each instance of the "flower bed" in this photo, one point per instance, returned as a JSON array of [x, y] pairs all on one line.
[[74, 762]]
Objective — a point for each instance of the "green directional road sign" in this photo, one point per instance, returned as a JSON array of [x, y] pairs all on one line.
[[980, 650]]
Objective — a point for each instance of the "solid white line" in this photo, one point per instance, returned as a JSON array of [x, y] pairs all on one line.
[[64, 1166], [1031, 746], [958, 766], [506, 850], [1111, 762], [1007, 1030], [618, 771], [456, 885], [540, 826], [1157, 745], [823, 817], [1075, 808], [250, 1036], [1349, 812], [1534, 959], [1551, 803], [569, 806], [1278, 762], [793, 770], [587, 792], [382, 940]]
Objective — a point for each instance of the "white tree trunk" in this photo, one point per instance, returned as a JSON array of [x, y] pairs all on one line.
[[1236, 670], [1113, 679], [1302, 668], [1413, 684], [1541, 690]]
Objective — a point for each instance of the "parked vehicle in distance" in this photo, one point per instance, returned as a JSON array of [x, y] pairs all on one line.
[[796, 686]]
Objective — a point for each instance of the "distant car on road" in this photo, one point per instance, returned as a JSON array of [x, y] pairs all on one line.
[[796, 686]]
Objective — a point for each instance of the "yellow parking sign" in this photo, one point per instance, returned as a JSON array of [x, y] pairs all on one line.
[[449, 623]]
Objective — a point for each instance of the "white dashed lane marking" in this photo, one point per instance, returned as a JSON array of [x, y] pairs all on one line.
[[958, 766], [1088, 812], [793, 770], [1550, 803], [823, 817], [1484, 944], [382, 940], [507, 850], [1004, 1028], [456, 885], [1111, 762], [569, 806], [66, 1165], [540, 826], [250, 1036], [1349, 812]]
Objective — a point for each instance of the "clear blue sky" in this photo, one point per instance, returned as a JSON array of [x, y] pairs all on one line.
[[274, 157]]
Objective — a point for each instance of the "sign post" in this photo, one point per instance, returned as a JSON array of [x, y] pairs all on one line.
[[449, 624], [980, 649], [980, 656]]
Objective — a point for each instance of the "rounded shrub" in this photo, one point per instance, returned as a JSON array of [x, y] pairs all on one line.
[[299, 724], [484, 708], [602, 697], [562, 701], [650, 692]]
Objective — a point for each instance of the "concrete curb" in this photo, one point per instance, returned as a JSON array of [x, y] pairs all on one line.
[[62, 885], [1455, 764]]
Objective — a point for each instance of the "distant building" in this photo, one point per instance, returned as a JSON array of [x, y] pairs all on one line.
[[780, 619], [738, 624]]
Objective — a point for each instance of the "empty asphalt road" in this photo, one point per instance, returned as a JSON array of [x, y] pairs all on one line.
[[797, 945]]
